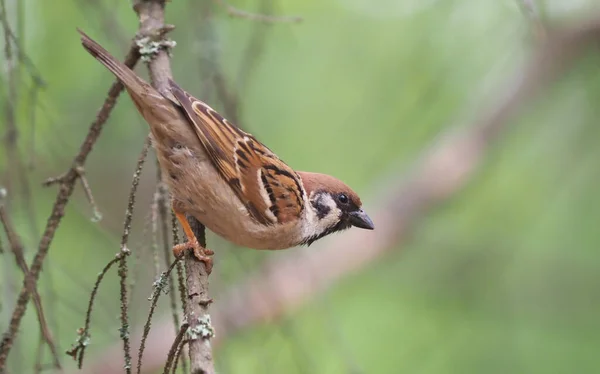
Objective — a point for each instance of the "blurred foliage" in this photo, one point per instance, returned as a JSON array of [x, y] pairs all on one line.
[[501, 278]]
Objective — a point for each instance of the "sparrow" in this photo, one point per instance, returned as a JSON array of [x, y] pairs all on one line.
[[227, 179]]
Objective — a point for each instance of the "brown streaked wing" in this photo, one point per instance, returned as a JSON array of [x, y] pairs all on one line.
[[285, 193], [245, 163]]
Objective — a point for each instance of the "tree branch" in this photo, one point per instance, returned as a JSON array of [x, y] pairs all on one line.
[[65, 190], [152, 25], [16, 247]]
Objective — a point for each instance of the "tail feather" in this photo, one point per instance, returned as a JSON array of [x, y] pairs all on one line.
[[153, 106], [130, 80]]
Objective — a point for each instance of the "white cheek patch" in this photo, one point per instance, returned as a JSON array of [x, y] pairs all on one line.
[[313, 225], [333, 215]]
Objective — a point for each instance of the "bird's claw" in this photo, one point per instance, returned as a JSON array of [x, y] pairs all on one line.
[[201, 253]]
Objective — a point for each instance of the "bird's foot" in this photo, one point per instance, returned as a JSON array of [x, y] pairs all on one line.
[[201, 253]]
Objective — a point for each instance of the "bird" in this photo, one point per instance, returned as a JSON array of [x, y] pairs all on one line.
[[227, 179]]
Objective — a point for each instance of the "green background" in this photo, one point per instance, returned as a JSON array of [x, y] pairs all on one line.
[[502, 277]]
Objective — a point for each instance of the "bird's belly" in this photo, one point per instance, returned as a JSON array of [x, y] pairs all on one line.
[[198, 189]]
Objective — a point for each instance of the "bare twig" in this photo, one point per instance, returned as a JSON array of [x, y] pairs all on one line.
[[175, 349], [157, 288], [154, 223], [123, 270], [151, 15], [14, 241], [78, 350], [178, 356], [180, 279], [180, 286], [139, 253], [96, 215], [83, 334], [164, 216], [66, 187], [163, 199], [17, 249], [235, 12]]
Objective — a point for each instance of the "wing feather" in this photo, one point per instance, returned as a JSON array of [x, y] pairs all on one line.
[[267, 186]]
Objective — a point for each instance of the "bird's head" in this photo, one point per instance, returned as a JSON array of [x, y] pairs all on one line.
[[332, 206]]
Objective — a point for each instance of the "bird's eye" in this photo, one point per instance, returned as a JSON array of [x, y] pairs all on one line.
[[342, 198]]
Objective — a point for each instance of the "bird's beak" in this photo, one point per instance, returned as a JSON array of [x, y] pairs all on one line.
[[360, 219]]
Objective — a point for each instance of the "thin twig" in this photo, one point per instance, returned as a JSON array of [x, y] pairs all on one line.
[[154, 223], [175, 349], [235, 12], [178, 357], [17, 249], [180, 284], [65, 190], [139, 253], [180, 279], [123, 270], [14, 240], [96, 215], [83, 334], [157, 289], [162, 197], [164, 215]]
